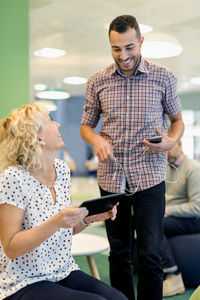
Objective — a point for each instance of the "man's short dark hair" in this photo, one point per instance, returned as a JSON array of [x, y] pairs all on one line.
[[122, 23]]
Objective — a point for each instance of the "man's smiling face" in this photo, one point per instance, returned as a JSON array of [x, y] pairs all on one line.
[[126, 50]]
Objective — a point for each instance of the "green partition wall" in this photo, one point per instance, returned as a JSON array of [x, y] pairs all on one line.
[[14, 55]]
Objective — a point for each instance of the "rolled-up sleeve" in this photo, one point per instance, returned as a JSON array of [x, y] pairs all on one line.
[[171, 103], [92, 109]]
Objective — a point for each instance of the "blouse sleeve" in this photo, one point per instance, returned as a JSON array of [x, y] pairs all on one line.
[[11, 188]]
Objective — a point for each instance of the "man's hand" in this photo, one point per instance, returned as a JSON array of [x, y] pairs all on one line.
[[111, 214], [166, 143], [102, 149]]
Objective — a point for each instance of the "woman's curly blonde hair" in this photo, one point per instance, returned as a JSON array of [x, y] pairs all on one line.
[[18, 137]]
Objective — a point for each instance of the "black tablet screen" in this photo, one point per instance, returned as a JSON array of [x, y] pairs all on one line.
[[102, 204]]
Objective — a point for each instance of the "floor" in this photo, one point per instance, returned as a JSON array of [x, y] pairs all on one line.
[[84, 188]]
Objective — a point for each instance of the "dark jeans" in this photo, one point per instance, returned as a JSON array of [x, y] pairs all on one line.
[[176, 226], [148, 206], [76, 286]]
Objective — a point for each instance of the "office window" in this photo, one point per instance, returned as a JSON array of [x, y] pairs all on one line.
[[191, 137]]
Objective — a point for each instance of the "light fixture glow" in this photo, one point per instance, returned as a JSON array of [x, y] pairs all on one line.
[[145, 28], [49, 104], [160, 45], [49, 52], [40, 87], [53, 95], [75, 80], [195, 80]]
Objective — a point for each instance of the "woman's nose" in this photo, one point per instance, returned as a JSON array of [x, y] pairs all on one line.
[[57, 124]]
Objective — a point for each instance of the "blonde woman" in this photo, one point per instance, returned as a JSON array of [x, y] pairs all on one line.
[[37, 219]]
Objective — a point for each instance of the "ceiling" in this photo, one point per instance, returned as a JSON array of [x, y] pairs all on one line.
[[78, 27]]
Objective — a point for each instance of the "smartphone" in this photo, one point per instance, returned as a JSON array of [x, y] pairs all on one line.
[[155, 139]]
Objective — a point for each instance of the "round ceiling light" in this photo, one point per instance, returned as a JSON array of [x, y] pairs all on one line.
[[49, 52], [145, 28], [75, 80], [40, 87], [53, 95], [160, 45], [195, 80]]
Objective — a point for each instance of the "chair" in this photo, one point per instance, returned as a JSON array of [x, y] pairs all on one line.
[[186, 250]]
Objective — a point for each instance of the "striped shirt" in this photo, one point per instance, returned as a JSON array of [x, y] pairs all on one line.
[[131, 108]]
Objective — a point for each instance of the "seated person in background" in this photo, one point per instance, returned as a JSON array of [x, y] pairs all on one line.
[[91, 164], [37, 219], [182, 212], [69, 160]]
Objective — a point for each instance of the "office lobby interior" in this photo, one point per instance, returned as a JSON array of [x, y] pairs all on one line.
[[50, 48]]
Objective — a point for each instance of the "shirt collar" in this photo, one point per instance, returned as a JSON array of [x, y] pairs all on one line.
[[142, 68]]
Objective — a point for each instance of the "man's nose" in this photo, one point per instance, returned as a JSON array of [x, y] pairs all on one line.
[[123, 55]]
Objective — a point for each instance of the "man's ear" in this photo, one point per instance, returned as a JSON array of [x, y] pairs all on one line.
[[141, 41], [42, 143]]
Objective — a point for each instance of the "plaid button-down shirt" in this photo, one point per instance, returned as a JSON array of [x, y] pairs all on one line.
[[131, 108]]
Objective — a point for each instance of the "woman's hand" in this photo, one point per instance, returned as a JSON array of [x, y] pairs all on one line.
[[17, 242], [70, 216]]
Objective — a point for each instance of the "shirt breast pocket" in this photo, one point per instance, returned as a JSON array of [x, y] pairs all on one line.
[[110, 97], [150, 101]]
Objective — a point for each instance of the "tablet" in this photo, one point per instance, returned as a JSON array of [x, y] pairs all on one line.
[[102, 204]]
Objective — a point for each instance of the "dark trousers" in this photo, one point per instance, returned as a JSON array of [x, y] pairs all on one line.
[[176, 226], [76, 286], [148, 207]]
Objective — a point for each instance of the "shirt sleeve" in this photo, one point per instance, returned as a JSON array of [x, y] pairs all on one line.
[[171, 103], [11, 189], [91, 110], [192, 207]]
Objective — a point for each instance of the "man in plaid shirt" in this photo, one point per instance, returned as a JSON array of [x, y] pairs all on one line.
[[134, 97]]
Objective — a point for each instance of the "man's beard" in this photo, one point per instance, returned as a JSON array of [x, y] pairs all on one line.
[[135, 60]]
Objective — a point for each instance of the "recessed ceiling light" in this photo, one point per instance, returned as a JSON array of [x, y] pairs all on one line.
[[40, 87], [143, 28], [195, 80], [160, 49], [160, 45], [49, 52], [53, 95], [75, 80]]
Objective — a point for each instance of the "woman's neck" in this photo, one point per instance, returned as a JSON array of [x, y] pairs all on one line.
[[46, 174]]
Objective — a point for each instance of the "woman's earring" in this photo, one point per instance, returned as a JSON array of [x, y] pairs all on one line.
[[42, 143]]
